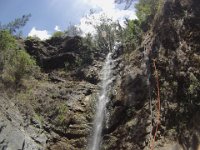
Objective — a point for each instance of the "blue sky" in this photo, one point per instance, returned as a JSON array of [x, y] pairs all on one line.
[[47, 14]]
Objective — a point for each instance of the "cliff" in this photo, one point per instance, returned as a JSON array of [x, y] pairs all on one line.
[[164, 68], [55, 110]]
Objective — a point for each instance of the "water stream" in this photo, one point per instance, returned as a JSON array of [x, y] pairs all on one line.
[[103, 99]]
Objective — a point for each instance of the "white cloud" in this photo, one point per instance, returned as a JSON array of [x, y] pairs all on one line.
[[109, 9], [86, 25], [57, 28], [115, 14], [42, 34]]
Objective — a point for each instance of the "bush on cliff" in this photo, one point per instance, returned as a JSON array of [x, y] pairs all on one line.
[[15, 63]]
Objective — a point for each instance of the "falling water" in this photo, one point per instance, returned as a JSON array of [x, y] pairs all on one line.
[[101, 103]]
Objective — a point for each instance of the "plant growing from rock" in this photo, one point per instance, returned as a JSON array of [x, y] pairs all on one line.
[[62, 117], [194, 86]]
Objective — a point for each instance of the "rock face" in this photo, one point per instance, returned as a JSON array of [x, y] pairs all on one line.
[[15, 133], [173, 43], [58, 52], [67, 110], [56, 113]]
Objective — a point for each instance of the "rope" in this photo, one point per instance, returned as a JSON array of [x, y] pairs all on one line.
[[147, 52], [157, 120], [158, 106], [149, 88]]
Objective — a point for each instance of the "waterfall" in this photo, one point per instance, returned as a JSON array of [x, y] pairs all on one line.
[[103, 99]]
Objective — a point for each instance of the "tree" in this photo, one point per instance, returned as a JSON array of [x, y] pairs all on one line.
[[15, 63], [88, 40], [73, 31], [21, 65], [107, 33], [144, 8], [15, 25], [133, 32], [6, 40], [7, 44]]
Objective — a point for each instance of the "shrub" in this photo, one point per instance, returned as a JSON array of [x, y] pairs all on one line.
[[62, 118], [21, 65], [7, 43], [194, 85], [58, 34], [15, 64]]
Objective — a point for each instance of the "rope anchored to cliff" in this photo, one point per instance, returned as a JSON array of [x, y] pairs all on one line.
[[158, 106]]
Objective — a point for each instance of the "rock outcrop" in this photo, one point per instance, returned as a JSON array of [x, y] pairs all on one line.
[[16, 132], [58, 52]]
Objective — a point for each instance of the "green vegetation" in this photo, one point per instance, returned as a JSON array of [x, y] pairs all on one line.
[[146, 10], [88, 41], [21, 65], [108, 32], [62, 117], [133, 33], [143, 9], [39, 119], [6, 41], [105, 36], [7, 44], [58, 34], [15, 63], [73, 31], [194, 86]]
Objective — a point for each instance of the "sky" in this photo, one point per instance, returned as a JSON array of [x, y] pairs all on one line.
[[49, 16]]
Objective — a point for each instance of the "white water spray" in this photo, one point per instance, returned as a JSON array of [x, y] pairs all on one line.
[[101, 103]]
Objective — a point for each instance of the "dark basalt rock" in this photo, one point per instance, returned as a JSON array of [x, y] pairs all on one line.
[[55, 52], [58, 61], [88, 74]]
